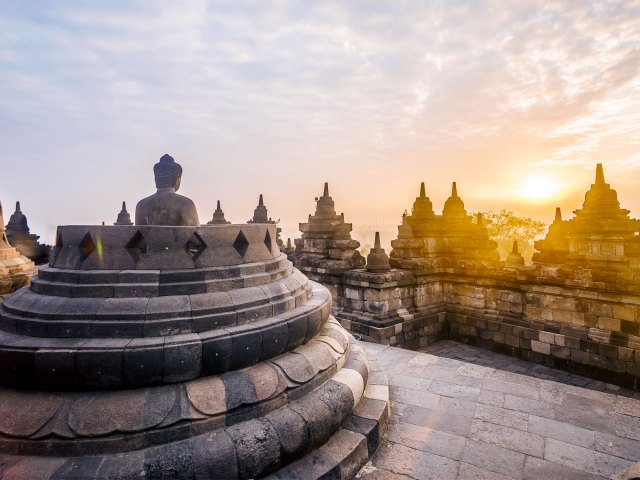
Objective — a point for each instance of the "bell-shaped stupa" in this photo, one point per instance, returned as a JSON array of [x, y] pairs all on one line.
[[218, 216], [163, 350], [16, 270], [20, 237], [123, 216]]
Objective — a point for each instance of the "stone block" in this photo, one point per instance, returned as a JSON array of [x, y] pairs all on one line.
[[292, 431], [246, 346], [213, 454], [540, 347], [182, 357], [257, 446], [606, 323], [624, 312], [143, 361], [546, 337]]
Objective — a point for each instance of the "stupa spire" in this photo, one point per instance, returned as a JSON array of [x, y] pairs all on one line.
[[454, 190], [599, 174], [18, 207], [376, 243], [260, 201], [423, 192], [558, 215], [326, 189], [514, 249], [218, 205]]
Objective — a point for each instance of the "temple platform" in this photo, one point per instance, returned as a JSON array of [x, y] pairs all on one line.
[[461, 412]]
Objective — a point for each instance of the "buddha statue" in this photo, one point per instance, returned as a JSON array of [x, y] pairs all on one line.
[[166, 207]]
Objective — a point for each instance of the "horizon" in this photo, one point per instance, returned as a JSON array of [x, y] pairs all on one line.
[[517, 103]]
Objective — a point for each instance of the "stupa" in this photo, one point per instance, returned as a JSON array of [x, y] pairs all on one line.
[[600, 236], [326, 241], [16, 270], [123, 216], [377, 260], [161, 350], [218, 217], [19, 236], [451, 240], [261, 215]]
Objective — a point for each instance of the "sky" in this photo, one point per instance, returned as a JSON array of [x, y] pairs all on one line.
[[514, 100]]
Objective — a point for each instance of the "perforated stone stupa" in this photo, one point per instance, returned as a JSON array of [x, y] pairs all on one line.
[[164, 351], [15, 269], [20, 237]]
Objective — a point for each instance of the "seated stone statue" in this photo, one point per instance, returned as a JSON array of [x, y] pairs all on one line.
[[166, 207]]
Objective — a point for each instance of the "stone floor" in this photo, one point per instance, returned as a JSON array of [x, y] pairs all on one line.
[[460, 412]]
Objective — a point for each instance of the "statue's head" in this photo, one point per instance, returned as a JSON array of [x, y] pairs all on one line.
[[167, 173]]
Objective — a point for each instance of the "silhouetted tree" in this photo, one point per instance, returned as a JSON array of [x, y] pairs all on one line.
[[505, 226]]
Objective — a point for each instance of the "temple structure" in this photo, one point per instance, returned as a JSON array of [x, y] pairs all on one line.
[[19, 236], [218, 217], [172, 351], [576, 307], [451, 240], [600, 236], [326, 249], [123, 216]]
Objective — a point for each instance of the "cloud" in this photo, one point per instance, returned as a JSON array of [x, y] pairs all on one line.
[[349, 91]]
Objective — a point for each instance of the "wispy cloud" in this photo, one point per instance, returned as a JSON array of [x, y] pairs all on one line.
[[347, 91]]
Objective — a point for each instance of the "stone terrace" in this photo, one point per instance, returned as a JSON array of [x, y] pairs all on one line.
[[460, 412]]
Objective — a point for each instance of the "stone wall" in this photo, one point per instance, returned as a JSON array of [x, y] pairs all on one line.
[[588, 327]]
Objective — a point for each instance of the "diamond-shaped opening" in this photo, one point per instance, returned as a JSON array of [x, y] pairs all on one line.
[[86, 247], [195, 246], [241, 244], [267, 240], [136, 247]]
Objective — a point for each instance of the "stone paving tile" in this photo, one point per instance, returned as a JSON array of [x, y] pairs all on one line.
[[424, 359], [426, 439], [507, 437], [619, 447], [561, 431], [529, 405], [494, 458], [414, 463], [407, 381], [515, 389], [466, 471], [475, 371], [447, 389], [442, 419], [584, 459], [537, 468], [502, 416], [490, 397], [628, 427], [373, 473], [413, 397], [627, 406], [462, 412]]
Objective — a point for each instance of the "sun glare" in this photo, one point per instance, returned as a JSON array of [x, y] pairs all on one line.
[[538, 187]]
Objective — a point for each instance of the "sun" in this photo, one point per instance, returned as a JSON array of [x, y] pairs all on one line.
[[537, 187]]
